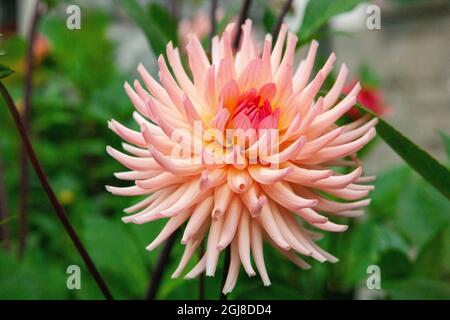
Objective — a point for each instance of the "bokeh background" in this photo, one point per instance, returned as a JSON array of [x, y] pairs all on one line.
[[77, 86]]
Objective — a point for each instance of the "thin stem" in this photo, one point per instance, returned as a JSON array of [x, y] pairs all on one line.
[[213, 21], [174, 9], [24, 174], [242, 16], [5, 232], [226, 266], [158, 272], [277, 26], [201, 280], [59, 210]]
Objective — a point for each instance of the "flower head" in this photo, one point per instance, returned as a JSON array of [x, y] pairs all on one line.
[[242, 153]]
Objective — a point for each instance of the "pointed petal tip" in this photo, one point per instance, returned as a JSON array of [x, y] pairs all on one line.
[[127, 219]]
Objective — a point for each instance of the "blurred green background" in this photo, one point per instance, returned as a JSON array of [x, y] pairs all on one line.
[[78, 83]]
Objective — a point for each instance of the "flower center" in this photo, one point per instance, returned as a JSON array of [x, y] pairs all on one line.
[[252, 109]]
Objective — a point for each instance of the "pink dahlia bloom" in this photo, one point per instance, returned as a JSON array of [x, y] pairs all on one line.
[[242, 152]]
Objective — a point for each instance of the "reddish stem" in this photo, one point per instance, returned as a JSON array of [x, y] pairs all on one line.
[[213, 21], [5, 231], [158, 272], [277, 26], [242, 16], [59, 210], [201, 280], [24, 174]]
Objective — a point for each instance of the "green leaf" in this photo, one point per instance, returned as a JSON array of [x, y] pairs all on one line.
[[417, 289], [358, 250], [5, 71], [417, 158], [389, 186], [319, 12], [116, 253], [368, 76], [431, 260], [394, 264], [446, 141], [33, 277], [421, 211], [156, 39], [164, 21], [269, 18]]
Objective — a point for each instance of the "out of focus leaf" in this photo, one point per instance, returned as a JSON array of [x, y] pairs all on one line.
[[269, 18], [157, 31], [319, 12], [421, 211], [446, 141], [164, 21], [5, 71], [78, 61], [116, 254], [389, 239], [358, 251], [34, 277], [431, 260], [417, 158], [394, 264], [388, 187], [417, 289], [369, 78]]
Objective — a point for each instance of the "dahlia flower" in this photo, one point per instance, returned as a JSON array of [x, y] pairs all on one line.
[[242, 152]]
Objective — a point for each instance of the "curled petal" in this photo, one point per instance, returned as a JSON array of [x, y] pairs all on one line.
[[233, 269], [258, 255], [238, 180], [182, 167], [230, 223], [222, 197], [253, 201], [266, 175], [199, 215], [129, 135], [268, 223], [283, 194], [173, 224], [187, 254], [133, 163], [244, 242], [212, 253], [162, 180]]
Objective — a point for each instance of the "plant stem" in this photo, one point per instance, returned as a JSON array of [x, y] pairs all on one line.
[[213, 21], [226, 266], [5, 231], [59, 210], [201, 280], [277, 26], [242, 16], [24, 174], [174, 9], [158, 272]]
